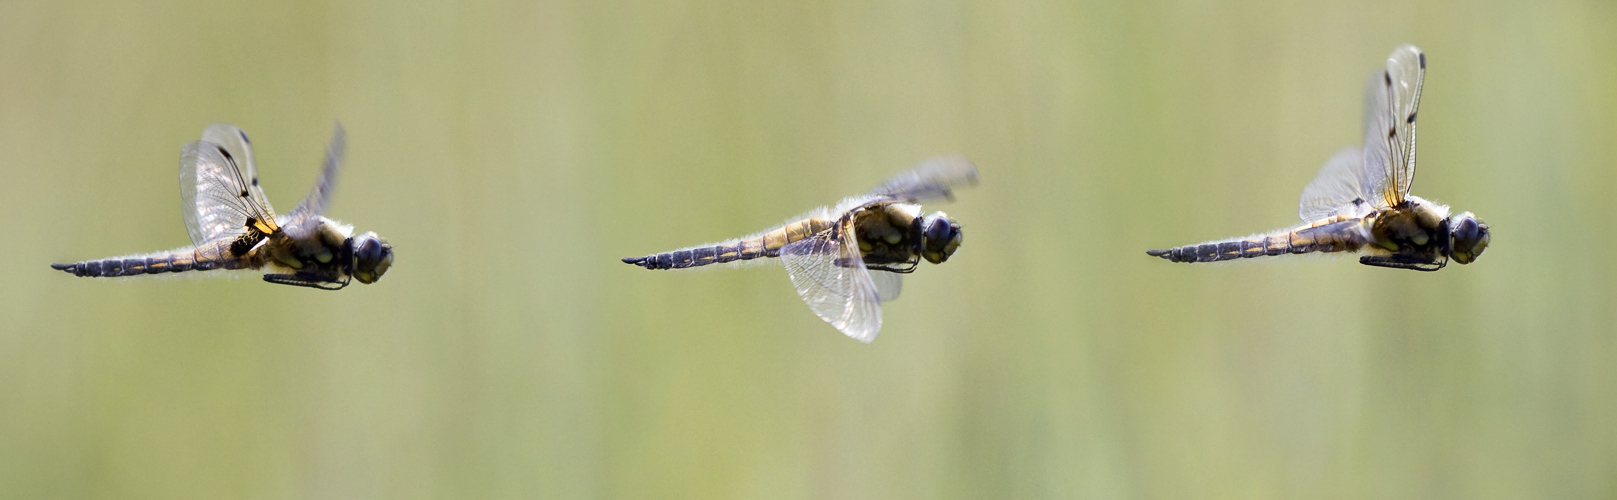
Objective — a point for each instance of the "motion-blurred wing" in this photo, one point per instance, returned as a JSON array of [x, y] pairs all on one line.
[[1391, 99], [930, 180], [1336, 190], [829, 274], [217, 198], [320, 197]]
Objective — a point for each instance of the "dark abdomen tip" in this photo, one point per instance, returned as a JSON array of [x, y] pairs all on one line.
[[647, 262], [1172, 254], [88, 269]]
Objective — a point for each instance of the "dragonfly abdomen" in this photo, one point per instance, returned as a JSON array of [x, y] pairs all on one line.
[[172, 262], [126, 266], [767, 244], [701, 256], [1333, 237]]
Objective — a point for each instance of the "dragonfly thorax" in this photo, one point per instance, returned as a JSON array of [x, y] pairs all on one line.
[[1414, 228], [320, 251], [1425, 230], [889, 235], [897, 233]]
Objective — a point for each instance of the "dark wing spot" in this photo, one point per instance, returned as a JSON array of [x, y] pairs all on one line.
[[1358, 201], [1391, 133], [1411, 118], [1387, 77], [255, 179], [244, 193], [244, 134], [1422, 60], [225, 153]]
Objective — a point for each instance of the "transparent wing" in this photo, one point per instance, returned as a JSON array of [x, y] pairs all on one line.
[[216, 197], [930, 180], [829, 274], [1391, 99], [1336, 189], [888, 284], [1407, 65], [1373, 177], [320, 196], [240, 150]]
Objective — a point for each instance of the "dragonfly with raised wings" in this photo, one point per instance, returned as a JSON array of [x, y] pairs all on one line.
[[845, 261], [233, 227], [1360, 201]]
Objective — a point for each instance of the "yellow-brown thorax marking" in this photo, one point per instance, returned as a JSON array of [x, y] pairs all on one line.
[[889, 235], [1412, 229]]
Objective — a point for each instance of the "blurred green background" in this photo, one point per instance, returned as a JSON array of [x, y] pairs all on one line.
[[512, 152]]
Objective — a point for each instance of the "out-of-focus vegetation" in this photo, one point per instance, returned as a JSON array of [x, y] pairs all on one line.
[[512, 152]]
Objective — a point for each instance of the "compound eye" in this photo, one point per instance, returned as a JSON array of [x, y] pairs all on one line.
[[369, 251], [1466, 231], [937, 231], [939, 238], [1469, 238], [372, 257]]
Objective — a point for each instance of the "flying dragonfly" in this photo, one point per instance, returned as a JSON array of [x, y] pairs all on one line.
[[1360, 201], [233, 227], [845, 261]]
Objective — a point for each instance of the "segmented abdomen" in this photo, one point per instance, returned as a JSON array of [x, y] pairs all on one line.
[[767, 244], [1340, 236], [195, 259]]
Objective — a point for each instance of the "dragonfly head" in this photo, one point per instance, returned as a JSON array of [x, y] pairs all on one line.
[[1468, 237], [372, 256], [939, 237]]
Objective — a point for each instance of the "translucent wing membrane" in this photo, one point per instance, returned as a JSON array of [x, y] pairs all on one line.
[[217, 197], [888, 284], [240, 151], [1336, 189], [1373, 177], [320, 196], [1407, 65], [830, 275], [1392, 97], [930, 180]]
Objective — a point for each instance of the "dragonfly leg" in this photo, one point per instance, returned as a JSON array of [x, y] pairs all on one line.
[[306, 280], [880, 264], [1402, 262], [905, 268]]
